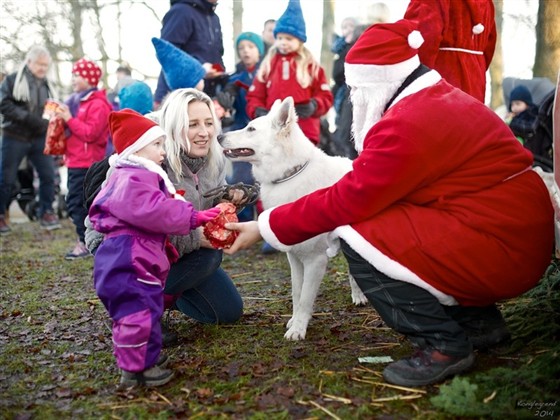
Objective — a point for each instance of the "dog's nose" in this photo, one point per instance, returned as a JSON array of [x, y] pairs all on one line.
[[220, 138]]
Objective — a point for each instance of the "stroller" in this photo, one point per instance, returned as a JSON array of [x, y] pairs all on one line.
[[543, 93], [26, 191]]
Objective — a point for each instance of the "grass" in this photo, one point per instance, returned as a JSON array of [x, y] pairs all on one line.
[[56, 353]]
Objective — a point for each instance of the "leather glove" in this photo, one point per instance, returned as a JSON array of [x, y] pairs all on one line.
[[226, 100], [203, 216], [306, 110], [260, 112]]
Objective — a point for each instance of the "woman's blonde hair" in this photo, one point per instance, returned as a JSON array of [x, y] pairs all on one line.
[[307, 67], [174, 119]]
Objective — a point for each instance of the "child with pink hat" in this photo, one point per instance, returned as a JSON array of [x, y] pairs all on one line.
[[136, 210]]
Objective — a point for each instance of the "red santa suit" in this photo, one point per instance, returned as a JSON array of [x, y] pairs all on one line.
[[460, 37], [442, 196]]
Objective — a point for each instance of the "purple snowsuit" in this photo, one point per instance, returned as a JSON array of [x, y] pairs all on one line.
[[136, 212]]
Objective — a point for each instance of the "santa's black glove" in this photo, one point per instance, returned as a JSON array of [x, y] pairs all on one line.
[[260, 111], [226, 100], [306, 110]]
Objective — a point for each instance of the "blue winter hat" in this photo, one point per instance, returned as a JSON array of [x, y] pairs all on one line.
[[180, 69], [137, 96], [291, 22], [252, 37], [520, 93]]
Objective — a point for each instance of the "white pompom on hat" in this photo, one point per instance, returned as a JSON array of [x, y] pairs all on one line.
[[385, 52]]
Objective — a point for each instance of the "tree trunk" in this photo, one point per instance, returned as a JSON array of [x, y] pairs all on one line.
[[100, 42], [326, 59], [237, 21], [497, 63], [75, 23], [547, 56]]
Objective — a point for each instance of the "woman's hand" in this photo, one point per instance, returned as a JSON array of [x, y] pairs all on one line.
[[249, 235]]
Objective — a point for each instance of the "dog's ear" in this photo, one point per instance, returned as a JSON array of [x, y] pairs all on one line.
[[286, 114], [275, 105]]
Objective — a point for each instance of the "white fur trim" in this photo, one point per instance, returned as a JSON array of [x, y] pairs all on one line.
[[478, 29], [463, 50], [415, 39], [267, 233], [424, 81], [151, 166], [358, 75], [385, 264], [150, 135]]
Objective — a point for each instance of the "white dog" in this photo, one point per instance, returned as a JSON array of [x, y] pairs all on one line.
[[288, 166]]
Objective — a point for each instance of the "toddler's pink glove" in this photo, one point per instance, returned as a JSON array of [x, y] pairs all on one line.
[[201, 217]]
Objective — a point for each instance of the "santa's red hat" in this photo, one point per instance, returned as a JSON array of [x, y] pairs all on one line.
[[131, 131], [385, 52]]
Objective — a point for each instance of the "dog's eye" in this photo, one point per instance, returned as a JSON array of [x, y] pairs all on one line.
[[250, 128]]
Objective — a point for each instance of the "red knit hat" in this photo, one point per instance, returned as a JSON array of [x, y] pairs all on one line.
[[131, 131], [88, 70], [385, 52]]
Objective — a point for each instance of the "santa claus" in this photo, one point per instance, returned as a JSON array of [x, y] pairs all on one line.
[[441, 217]]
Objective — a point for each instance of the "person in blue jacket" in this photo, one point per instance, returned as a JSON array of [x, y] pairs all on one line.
[[194, 27]]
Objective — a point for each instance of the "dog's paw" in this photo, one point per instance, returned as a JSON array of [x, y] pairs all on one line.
[[359, 299], [289, 324], [293, 334]]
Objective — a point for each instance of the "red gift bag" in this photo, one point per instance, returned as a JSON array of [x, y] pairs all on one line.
[[55, 142]]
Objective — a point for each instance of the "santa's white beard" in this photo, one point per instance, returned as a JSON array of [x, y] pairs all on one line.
[[368, 104]]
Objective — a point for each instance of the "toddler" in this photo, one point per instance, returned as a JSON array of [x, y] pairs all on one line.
[[523, 114], [136, 210]]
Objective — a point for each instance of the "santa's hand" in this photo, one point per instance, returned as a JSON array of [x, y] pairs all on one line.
[[249, 235]]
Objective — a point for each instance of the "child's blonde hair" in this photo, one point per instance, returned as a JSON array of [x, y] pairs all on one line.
[[307, 68]]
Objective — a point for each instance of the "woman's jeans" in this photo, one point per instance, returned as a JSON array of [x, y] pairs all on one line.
[[207, 294]]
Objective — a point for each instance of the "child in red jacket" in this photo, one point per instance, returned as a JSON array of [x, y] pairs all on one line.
[[85, 114], [289, 69]]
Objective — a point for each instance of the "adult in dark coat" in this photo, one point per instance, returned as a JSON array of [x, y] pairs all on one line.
[[22, 100], [194, 27]]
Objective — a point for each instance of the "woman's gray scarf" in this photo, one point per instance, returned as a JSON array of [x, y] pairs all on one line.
[[194, 164]]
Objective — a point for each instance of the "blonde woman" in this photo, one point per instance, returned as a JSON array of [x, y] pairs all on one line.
[[197, 285]]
